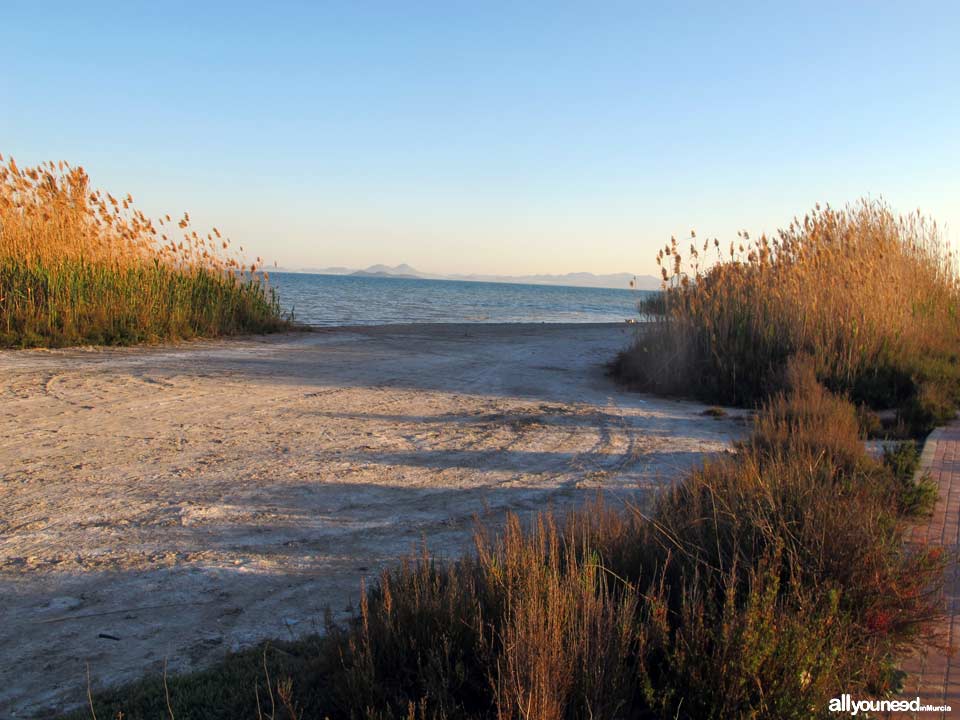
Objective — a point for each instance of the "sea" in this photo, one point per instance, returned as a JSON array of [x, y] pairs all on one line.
[[353, 300]]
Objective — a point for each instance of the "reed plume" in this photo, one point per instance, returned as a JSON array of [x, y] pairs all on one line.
[[871, 297], [79, 265]]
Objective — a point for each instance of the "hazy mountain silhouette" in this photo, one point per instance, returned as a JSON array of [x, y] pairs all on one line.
[[575, 279]]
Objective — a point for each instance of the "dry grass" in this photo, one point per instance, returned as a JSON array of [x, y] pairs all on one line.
[[872, 298], [758, 587], [79, 265]]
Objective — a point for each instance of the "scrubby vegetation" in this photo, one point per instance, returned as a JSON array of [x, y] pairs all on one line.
[[757, 587], [917, 496], [78, 266], [872, 298]]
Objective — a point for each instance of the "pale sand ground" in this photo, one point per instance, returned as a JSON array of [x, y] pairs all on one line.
[[196, 498]]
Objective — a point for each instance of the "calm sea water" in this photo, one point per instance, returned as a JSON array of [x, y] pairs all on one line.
[[347, 300]]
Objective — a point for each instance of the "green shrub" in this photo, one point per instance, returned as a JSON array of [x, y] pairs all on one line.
[[915, 495], [933, 404]]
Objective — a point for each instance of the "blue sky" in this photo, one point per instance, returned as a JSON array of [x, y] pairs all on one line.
[[489, 137]]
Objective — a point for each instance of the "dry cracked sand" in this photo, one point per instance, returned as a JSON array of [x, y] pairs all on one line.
[[186, 500]]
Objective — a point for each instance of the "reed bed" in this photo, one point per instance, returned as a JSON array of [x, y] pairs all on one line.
[[871, 297], [758, 587], [80, 266]]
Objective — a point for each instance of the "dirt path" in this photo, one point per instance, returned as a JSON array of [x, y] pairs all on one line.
[[188, 500]]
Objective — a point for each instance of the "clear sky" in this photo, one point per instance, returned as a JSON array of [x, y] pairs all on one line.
[[514, 137]]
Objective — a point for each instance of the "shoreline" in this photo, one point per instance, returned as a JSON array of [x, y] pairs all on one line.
[[242, 484], [300, 329]]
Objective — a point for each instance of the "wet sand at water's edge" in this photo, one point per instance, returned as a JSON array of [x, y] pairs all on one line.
[[196, 498]]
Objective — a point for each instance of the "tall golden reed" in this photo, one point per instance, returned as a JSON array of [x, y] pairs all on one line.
[[870, 296], [80, 265]]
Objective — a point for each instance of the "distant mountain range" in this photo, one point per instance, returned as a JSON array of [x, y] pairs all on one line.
[[578, 279]]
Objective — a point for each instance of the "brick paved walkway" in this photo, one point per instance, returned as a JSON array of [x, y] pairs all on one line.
[[934, 675]]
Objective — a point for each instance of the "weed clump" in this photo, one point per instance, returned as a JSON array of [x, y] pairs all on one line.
[[916, 495], [715, 412]]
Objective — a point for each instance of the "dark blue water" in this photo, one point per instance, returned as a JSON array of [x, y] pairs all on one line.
[[347, 300]]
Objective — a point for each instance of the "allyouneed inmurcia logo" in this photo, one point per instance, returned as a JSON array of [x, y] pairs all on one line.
[[847, 704]]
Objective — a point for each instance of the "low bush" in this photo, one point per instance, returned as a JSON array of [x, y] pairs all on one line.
[[916, 495]]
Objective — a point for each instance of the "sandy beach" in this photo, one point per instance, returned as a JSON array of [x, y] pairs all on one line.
[[177, 502]]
